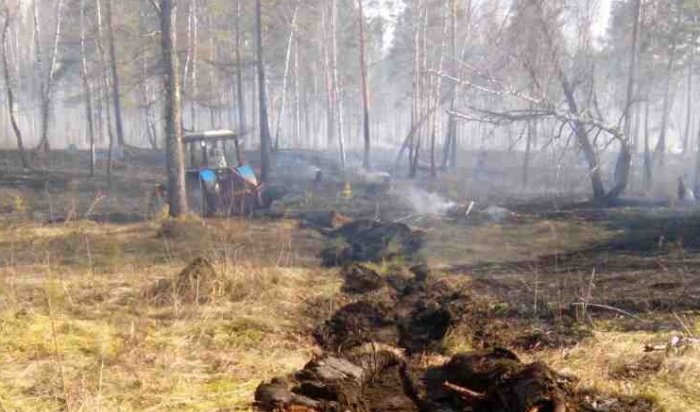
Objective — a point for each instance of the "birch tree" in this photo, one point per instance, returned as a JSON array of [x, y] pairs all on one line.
[[11, 105]]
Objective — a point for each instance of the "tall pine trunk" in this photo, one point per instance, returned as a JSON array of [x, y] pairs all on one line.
[[337, 89], [86, 88], [177, 197], [240, 94], [116, 99], [364, 85], [689, 102], [285, 79], [262, 96]]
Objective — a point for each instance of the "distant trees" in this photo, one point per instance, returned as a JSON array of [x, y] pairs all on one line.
[[431, 78]]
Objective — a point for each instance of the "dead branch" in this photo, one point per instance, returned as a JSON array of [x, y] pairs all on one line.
[[545, 108], [676, 342], [465, 393], [607, 307]]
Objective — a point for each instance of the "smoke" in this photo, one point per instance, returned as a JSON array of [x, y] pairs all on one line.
[[426, 203]]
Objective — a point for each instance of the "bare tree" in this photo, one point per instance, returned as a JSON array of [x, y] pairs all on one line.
[[47, 84], [583, 120], [8, 88], [660, 150], [239, 79], [285, 77], [86, 88], [337, 88], [632, 70], [364, 86], [116, 99], [265, 142], [104, 85], [689, 101], [451, 135]]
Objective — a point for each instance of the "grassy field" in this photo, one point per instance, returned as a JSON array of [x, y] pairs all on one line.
[[79, 333], [81, 330]]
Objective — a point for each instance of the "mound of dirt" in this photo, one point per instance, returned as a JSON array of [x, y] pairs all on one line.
[[410, 314], [359, 279], [496, 380], [366, 240], [369, 382], [493, 381], [367, 320], [198, 282]]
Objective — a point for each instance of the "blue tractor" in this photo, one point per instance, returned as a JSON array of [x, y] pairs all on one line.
[[214, 186]]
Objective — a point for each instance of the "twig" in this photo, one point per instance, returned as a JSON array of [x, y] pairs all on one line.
[[463, 392], [683, 324], [610, 308]]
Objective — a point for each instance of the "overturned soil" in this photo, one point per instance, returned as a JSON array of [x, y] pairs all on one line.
[[397, 310], [365, 240], [376, 346]]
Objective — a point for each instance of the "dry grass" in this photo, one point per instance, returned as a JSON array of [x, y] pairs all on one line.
[[615, 362], [77, 334]]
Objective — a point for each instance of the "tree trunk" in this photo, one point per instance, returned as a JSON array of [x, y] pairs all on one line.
[[330, 85], [450, 137], [10, 95], [173, 112], [364, 85], [104, 82], [689, 103], [579, 128], [116, 99], [47, 89], [285, 78], [336, 84], [239, 82], [531, 130], [632, 68], [262, 96], [435, 98], [584, 142], [624, 159], [86, 88], [647, 152], [660, 150], [191, 64], [415, 97], [297, 97], [696, 186], [146, 91]]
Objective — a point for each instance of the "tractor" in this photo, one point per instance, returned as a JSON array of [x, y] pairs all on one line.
[[214, 188]]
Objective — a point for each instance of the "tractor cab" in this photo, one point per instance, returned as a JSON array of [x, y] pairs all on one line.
[[218, 182]]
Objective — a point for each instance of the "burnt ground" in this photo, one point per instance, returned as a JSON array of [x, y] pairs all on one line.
[[650, 266], [528, 299], [376, 346], [640, 277]]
